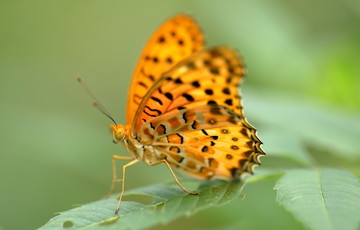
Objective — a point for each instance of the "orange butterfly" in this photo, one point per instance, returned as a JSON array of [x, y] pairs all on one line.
[[184, 108]]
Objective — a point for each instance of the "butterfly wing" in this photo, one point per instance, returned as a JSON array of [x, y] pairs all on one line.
[[208, 77], [176, 39], [193, 117], [207, 142]]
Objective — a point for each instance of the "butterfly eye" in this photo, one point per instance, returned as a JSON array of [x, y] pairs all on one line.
[[118, 133]]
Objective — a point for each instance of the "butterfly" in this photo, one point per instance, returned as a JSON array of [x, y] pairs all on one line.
[[184, 108]]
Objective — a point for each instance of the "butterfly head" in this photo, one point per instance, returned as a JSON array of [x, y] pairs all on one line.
[[118, 133]]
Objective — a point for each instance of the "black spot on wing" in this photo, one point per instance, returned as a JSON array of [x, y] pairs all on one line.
[[184, 117], [161, 39], [228, 80], [204, 132], [152, 126], [151, 115], [232, 120], [143, 84], [196, 84], [157, 100], [226, 91], [169, 96], [169, 60], [211, 102], [229, 102], [163, 128], [209, 91], [244, 132], [181, 138], [178, 81], [207, 62], [151, 77], [175, 149], [152, 112], [205, 149], [194, 124], [214, 71], [216, 110], [188, 97]]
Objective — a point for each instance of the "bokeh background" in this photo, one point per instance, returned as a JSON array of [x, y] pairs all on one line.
[[55, 148]]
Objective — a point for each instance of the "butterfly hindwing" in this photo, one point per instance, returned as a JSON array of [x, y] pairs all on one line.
[[208, 141]]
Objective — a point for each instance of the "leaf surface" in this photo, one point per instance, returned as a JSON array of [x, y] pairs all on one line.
[[321, 199], [169, 202]]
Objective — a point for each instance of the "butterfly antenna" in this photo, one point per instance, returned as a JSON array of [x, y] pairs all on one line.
[[96, 102]]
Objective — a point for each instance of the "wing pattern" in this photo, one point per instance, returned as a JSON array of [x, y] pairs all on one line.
[[193, 117], [175, 40]]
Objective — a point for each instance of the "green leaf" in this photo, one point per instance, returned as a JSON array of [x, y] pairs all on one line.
[[169, 202], [321, 199]]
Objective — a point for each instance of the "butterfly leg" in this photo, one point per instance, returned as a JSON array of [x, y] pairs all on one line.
[[173, 174], [123, 180], [114, 172]]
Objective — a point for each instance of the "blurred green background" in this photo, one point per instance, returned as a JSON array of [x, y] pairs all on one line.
[[56, 148]]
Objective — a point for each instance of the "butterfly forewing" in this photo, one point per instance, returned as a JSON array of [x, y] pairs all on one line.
[[208, 77], [175, 40]]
